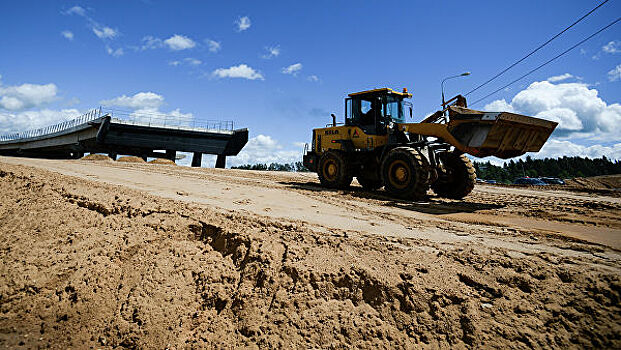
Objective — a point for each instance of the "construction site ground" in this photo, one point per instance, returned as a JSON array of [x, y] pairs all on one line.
[[102, 254]]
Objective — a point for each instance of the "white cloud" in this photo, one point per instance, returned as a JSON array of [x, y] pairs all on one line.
[[67, 34], [213, 46], [615, 74], [24, 96], [264, 149], [559, 148], [313, 78], [561, 77], [105, 32], [272, 51], [76, 10], [141, 100], [243, 23], [150, 42], [293, 69], [188, 61], [612, 47], [28, 120], [179, 42], [576, 106], [115, 52], [240, 71]]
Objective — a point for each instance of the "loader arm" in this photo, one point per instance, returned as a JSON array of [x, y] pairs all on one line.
[[481, 134]]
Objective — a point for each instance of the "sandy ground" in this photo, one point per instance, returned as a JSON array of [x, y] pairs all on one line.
[[108, 255]]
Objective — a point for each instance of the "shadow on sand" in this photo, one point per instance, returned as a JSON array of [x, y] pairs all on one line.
[[432, 205]]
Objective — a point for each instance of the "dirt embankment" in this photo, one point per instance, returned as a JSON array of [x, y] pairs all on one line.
[[88, 264]]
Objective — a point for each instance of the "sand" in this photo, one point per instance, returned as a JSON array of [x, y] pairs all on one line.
[[130, 159], [95, 156], [110, 255], [163, 161]]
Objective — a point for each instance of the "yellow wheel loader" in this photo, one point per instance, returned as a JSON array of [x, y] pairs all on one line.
[[378, 147]]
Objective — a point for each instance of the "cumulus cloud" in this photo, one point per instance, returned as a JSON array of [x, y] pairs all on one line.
[[272, 51], [615, 74], [243, 23], [67, 34], [28, 120], [24, 96], [561, 77], [558, 148], [115, 52], [240, 71], [76, 10], [576, 106], [612, 47], [141, 100], [213, 46], [176, 43], [293, 69], [179, 42], [265, 149], [105, 32]]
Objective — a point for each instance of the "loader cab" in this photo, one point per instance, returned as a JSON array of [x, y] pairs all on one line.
[[374, 110]]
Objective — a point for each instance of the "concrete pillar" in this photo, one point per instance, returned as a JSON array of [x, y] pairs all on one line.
[[221, 161], [197, 159], [112, 155], [171, 154]]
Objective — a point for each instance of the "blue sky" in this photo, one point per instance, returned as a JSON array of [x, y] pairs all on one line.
[[280, 68]]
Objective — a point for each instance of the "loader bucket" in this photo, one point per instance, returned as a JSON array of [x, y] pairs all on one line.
[[501, 134]]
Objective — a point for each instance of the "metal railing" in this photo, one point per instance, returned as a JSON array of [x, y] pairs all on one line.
[[168, 121], [140, 118], [68, 124]]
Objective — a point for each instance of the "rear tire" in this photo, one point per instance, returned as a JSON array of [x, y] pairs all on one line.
[[405, 174], [458, 177], [333, 171]]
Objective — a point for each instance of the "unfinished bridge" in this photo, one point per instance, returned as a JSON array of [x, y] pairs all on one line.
[[128, 133]]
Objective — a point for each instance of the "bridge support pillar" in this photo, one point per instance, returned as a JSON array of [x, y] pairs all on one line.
[[171, 154], [221, 161], [112, 155], [196, 159]]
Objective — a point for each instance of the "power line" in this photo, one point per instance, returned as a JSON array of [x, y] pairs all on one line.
[[537, 49], [549, 61]]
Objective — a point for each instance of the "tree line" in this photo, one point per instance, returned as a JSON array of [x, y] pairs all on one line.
[[295, 166], [564, 168]]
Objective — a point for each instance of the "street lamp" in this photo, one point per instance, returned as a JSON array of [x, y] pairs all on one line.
[[464, 74]]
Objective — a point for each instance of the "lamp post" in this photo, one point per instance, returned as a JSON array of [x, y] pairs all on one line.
[[464, 74]]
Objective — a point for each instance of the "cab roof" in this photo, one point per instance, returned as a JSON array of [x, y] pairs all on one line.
[[382, 91]]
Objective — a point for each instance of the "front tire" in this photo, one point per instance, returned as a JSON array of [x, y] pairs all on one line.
[[334, 172], [457, 177], [405, 174]]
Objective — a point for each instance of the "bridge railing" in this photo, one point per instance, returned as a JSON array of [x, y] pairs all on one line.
[[68, 124], [168, 121]]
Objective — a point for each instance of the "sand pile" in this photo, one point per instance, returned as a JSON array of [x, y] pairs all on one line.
[[97, 157], [609, 182], [162, 161], [131, 159], [98, 265]]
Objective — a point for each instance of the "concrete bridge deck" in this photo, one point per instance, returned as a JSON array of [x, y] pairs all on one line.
[[146, 137]]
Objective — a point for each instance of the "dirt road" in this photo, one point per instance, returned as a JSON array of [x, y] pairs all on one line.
[[120, 254]]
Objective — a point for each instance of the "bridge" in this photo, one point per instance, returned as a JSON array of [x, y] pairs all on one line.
[[128, 133]]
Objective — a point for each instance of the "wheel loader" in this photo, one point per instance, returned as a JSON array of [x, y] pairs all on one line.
[[378, 147]]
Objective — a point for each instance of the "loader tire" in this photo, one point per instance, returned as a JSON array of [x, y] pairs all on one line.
[[457, 177], [334, 172], [369, 184], [405, 174]]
